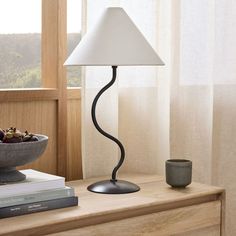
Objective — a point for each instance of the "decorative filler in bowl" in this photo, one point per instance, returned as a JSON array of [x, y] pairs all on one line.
[[17, 149]]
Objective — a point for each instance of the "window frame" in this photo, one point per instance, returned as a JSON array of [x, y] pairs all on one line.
[[53, 75]]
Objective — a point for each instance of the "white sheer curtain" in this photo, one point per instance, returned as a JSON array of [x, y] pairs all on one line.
[[186, 109], [99, 153], [145, 136], [203, 94]]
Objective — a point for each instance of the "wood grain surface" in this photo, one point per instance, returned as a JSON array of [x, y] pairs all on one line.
[[180, 221], [155, 197], [74, 166]]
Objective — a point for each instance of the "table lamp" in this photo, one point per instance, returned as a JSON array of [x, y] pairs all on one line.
[[114, 41]]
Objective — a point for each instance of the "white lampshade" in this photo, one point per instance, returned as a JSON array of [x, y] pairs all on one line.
[[116, 41]]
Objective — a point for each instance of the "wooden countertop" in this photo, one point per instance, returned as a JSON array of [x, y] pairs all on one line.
[[155, 195]]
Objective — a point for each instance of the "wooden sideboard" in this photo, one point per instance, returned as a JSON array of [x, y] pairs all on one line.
[[157, 209]]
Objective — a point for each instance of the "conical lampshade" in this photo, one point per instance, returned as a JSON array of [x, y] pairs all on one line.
[[115, 40]]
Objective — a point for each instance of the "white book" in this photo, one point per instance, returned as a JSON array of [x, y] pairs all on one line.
[[35, 181]]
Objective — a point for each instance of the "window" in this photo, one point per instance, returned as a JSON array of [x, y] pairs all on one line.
[[73, 38], [20, 43]]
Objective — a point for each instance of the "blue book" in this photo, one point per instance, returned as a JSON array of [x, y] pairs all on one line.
[[38, 196], [38, 207]]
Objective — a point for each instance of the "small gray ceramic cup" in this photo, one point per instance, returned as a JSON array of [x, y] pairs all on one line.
[[178, 172]]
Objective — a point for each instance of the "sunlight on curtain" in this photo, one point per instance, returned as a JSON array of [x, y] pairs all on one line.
[[99, 154], [139, 103], [191, 106], [203, 94], [224, 107]]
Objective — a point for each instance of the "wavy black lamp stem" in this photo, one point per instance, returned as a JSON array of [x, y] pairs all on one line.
[[93, 113], [112, 186]]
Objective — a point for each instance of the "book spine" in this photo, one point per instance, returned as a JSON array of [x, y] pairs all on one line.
[[37, 197], [38, 207]]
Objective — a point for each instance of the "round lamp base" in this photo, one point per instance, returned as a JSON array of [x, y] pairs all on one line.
[[113, 187]]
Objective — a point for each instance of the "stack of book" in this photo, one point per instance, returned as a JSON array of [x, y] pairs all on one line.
[[39, 192]]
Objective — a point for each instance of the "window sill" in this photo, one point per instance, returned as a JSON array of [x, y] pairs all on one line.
[[28, 94], [36, 94]]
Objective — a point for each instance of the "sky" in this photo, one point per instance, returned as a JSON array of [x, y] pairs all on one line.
[[24, 16]]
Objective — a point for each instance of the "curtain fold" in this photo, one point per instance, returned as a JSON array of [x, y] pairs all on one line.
[[99, 154], [203, 94], [186, 109]]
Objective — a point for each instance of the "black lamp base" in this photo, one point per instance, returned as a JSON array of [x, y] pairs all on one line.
[[113, 187]]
